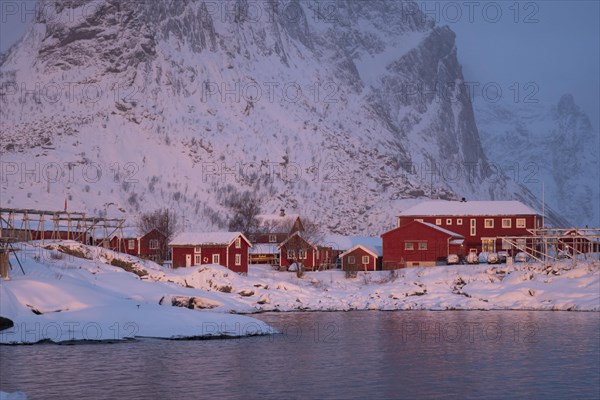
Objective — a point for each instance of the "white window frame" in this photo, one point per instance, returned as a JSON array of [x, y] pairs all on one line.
[[301, 254], [291, 254], [238, 243], [238, 259], [197, 259], [438, 221], [409, 246], [521, 223], [365, 259], [488, 223], [422, 246], [506, 223], [473, 227], [197, 249], [216, 259], [448, 221], [131, 244], [459, 221], [153, 244], [272, 238]]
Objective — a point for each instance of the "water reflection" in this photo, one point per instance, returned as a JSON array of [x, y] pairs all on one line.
[[471, 354]]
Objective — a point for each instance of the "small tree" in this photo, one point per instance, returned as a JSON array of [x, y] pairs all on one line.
[[245, 209], [165, 221]]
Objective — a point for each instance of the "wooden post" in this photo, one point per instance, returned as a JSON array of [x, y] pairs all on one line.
[[4, 263]]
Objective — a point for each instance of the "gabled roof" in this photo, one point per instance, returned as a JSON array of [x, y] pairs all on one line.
[[464, 208], [206, 238], [375, 251], [446, 231], [293, 235]]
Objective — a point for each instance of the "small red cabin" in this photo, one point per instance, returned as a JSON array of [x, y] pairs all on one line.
[[362, 258], [298, 249], [229, 249], [419, 244]]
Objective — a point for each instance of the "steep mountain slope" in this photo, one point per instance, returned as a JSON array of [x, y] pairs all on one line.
[[553, 144], [331, 109]]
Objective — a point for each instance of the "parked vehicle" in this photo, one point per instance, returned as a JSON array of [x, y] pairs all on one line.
[[502, 256], [453, 259], [493, 258], [472, 258], [521, 257], [483, 257]]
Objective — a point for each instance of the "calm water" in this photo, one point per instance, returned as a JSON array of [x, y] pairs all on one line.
[[474, 354]]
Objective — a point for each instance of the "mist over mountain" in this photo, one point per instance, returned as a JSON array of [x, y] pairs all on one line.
[[337, 110], [553, 144]]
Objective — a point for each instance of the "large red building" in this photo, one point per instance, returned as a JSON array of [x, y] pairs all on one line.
[[229, 249], [481, 223], [419, 244]]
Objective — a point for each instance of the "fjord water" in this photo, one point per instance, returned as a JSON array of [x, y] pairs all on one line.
[[342, 355]]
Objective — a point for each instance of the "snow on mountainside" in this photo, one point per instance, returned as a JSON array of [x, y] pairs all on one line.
[[554, 144], [327, 108]]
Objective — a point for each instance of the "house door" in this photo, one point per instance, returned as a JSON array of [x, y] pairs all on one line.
[[188, 260]]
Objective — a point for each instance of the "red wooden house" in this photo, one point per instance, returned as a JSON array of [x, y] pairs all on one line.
[[300, 250], [419, 244], [481, 223], [362, 257], [229, 249], [151, 245]]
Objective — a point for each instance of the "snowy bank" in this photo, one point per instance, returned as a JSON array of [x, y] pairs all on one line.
[[72, 291]]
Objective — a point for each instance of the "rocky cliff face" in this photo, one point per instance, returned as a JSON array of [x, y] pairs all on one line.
[[338, 110], [553, 144]]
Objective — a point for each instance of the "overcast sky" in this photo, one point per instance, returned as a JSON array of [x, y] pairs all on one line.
[[553, 44]]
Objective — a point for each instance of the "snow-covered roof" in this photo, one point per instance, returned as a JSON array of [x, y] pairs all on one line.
[[376, 251], [445, 207], [340, 242], [294, 235], [264, 248], [446, 231], [205, 238]]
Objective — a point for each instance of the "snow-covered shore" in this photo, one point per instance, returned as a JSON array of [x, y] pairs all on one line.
[[89, 294]]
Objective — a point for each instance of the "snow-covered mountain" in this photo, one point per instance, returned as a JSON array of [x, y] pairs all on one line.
[[550, 143], [330, 109]]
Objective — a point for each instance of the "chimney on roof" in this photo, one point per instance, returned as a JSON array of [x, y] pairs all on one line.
[[463, 200], [282, 212]]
